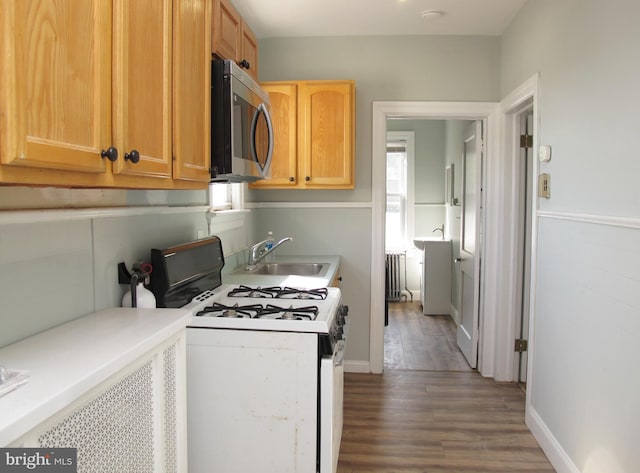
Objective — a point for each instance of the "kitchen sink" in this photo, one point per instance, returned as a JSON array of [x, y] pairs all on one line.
[[284, 269]]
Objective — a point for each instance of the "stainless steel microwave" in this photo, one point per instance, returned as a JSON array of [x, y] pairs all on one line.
[[241, 129]]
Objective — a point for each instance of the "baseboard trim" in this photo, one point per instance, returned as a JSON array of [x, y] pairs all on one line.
[[355, 366], [549, 444]]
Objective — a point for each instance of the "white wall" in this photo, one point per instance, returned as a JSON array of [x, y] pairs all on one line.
[[56, 266], [584, 387], [384, 68]]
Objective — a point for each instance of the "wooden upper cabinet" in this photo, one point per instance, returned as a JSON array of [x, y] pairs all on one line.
[[231, 37], [284, 164], [55, 93], [322, 154], [192, 90], [142, 40], [226, 28], [326, 116], [249, 51], [81, 77]]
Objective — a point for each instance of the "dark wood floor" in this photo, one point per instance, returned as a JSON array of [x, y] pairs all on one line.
[[415, 341], [427, 414]]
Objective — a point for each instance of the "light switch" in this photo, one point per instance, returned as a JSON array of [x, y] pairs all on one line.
[[544, 186]]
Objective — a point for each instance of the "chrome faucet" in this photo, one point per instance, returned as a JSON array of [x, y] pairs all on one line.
[[260, 250], [439, 229]]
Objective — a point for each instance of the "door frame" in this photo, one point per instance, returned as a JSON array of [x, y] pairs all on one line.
[[498, 308], [523, 97], [488, 111]]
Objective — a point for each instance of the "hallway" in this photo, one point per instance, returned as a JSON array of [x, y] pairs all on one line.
[[429, 412], [435, 422], [413, 341]]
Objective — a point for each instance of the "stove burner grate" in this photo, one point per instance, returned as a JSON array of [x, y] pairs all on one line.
[[255, 292], [234, 311], [312, 294], [276, 292], [289, 313]]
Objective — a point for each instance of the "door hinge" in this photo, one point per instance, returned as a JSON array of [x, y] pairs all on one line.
[[520, 345], [526, 141]]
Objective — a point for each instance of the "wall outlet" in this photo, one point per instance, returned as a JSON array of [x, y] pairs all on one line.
[[544, 186]]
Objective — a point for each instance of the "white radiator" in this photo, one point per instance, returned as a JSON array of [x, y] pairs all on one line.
[[396, 268]]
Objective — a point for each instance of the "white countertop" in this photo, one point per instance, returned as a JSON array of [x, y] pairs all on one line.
[[309, 282], [69, 360]]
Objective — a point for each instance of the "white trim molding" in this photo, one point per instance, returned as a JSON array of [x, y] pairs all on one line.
[[613, 221], [8, 217], [428, 110], [356, 366], [308, 205], [549, 444]]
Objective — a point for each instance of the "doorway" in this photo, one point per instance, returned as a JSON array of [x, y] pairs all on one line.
[[416, 110], [424, 200]]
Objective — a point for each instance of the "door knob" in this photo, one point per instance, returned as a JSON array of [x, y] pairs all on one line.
[[134, 156], [457, 260], [111, 154]]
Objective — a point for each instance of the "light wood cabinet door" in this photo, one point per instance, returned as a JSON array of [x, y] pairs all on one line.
[[284, 164], [192, 90], [313, 126], [249, 51], [326, 118], [226, 28], [55, 75], [142, 40], [232, 38]]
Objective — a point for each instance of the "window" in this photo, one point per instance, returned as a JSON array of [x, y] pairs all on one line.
[[399, 183], [226, 196]]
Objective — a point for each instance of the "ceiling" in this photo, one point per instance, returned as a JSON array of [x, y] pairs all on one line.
[[300, 18]]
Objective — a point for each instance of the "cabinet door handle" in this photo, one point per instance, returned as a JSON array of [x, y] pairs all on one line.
[[134, 156], [307, 178], [111, 154], [292, 179], [244, 64]]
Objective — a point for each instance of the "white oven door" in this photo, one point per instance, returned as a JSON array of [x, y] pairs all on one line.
[[331, 391]]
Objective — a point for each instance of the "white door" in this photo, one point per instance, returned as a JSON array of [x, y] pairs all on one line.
[[470, 243]]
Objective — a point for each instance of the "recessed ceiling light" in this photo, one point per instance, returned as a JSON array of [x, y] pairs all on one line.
[[432, 14]]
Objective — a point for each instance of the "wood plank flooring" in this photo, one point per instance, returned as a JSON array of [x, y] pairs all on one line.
[[417, 418], [434, 422], [415, 341]]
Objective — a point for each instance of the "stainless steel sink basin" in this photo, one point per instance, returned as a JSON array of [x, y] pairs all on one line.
[[284, 269]]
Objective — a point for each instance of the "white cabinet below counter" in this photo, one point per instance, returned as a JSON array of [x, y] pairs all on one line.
[[436, 275], [111, 384]]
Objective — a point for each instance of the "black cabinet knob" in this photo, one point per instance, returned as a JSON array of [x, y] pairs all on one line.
[[111, 154], [291, 179], [244, 64], [307, 178], [134, 156]]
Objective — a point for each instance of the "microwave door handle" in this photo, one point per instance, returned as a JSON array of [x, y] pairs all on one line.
[[254, 123]]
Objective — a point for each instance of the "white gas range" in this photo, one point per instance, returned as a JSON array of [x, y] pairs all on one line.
[[264, 366]]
